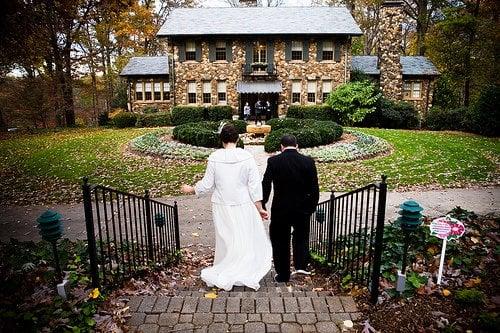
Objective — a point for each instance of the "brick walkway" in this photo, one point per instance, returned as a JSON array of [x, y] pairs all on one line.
[[276, 307]]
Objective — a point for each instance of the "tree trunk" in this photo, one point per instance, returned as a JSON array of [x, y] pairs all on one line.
[[67, 83], [467, 62]]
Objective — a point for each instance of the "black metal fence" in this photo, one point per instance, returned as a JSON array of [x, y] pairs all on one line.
[[347, 233], [127, 232]]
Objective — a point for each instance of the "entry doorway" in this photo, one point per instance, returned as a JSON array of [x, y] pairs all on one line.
[[251, 99]]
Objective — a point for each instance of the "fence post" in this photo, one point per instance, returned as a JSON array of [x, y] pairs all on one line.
[[379, 240], [89, 224], [176, 227], [331, 217], [149, 227]]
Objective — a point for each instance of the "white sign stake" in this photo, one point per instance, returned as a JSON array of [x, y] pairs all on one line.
[[445, 228], [441, 262]]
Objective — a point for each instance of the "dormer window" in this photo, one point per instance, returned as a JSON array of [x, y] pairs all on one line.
[[190, 50], [297, 48], [220, 50], [259, 53], [327, 50]]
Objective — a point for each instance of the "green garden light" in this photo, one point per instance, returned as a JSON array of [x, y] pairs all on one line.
[[51, 230], [409, 220]]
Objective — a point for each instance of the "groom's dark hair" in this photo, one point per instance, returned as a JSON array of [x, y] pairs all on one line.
[[288, 140], [229, 134]]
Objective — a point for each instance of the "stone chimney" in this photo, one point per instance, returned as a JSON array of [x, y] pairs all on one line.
[[391, 76], [248, 3]]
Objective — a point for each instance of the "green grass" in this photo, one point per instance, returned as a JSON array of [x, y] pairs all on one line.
[[57, 161], [421, 159], [48, 167]]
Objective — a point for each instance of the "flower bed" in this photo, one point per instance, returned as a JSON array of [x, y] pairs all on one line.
[[152, 144], [364, 147]]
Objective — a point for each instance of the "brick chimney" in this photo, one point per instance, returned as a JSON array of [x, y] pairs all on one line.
[[391, 77]]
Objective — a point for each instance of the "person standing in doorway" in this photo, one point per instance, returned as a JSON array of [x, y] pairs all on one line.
[[246, 111], [258, 111], [296, 194]]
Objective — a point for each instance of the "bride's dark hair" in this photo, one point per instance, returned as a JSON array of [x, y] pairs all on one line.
[[229, 134]]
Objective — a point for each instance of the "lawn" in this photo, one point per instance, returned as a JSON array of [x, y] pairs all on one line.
[[421, 159], [48, 167]]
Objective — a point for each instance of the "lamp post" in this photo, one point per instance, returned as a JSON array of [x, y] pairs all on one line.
[[409, 220]]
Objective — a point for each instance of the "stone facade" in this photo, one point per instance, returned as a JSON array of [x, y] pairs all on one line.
[[424, 103], [138, 106], [391, 77], [337, 72]]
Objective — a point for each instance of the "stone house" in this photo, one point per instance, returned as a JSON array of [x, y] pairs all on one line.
[[283, 55]]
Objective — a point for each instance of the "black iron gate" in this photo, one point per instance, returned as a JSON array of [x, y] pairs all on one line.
[[127, 232], [347, 233]]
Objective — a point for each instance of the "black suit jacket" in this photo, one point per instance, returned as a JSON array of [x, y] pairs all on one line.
[[295, 182]]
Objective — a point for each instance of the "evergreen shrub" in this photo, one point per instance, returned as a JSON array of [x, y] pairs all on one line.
[[124, 119], [154, 119]]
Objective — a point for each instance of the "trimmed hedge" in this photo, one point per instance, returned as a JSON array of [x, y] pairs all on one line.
[[219, 112], [445, 119], [392, 114], [154, 119], [318, 112], [203, 134], [309, 132], [125, 119], [191, 114], [186, 114]]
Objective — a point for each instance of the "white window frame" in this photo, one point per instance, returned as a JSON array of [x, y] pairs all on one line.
[[139, 89], [220, 50], [165, 91], [190, 48], [221, 89], [297, 46], [296, 89], [326, 89], [207, 89], [148, 88], [328, 48], [191, 89], [312, 88], [157, 89]]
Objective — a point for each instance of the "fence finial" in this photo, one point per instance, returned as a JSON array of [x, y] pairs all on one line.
[[85, 180], [384, 178], [146, 193]]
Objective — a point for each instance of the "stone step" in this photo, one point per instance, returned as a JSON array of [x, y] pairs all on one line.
[[262, 292], [246, 305]]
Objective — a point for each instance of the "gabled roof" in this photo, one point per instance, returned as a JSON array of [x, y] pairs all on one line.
[[138, 66], [411, 65], [259, 21]]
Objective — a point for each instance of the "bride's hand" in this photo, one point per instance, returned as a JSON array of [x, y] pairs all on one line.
[[187, 189], [264, 214]]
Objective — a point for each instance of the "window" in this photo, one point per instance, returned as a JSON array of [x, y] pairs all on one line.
[[311, 91], [138, 92], [207, 92], [191, 92], [221, 92], [327, 89], [166, 91], [297, 50], [147, 91], [190, 50], [327, 50], [412, 90], [259, 52], [220, 50], [296, 92], [157, 91]]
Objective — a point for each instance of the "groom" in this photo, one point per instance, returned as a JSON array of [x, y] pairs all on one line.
[[296, 194]]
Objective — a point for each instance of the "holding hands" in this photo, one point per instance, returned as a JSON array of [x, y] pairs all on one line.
[[187, 189]]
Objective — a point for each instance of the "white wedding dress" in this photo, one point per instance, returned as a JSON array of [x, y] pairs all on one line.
[[242, 248]]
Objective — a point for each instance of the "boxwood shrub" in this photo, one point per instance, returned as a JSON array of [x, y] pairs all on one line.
[[186, 114], [309, 132], [124, 119], [318, 112], [445, 119], [154, 119], [203, 134], [219, 112], [392, 114]]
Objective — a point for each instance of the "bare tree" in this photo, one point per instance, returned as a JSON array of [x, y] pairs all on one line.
[[259, 3]]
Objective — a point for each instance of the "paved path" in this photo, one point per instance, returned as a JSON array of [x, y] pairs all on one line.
[[274, 308]]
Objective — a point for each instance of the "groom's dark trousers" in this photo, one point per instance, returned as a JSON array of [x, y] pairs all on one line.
[[296, 193]]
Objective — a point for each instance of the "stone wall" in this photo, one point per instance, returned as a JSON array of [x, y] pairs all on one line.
[[232, 72], [424, 103], [391, 78], [139, 106]]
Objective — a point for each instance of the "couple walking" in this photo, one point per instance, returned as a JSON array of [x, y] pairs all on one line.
[[242, 248]]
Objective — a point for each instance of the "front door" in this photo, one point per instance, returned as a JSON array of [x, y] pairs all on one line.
[[252, 99]]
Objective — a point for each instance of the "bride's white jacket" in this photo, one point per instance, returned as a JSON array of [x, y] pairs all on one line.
[[233, 175]]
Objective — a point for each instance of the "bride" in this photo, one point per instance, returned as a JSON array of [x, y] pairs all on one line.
[[242, 248]]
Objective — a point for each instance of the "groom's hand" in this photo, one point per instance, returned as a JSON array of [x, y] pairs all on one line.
[[187, 189]]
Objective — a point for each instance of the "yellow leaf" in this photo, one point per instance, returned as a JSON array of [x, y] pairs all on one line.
[[211, 295], [446, 292], [474, 240], [94, 293], [317, 289], [195, 234]]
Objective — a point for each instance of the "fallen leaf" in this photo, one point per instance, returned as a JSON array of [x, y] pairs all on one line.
[[195, 234], [446, 292], [317, 289], [211, 295]]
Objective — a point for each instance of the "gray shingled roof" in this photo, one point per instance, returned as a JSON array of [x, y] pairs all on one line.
[[252, 87], [412, 65], [259, 21], [146, 66]]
